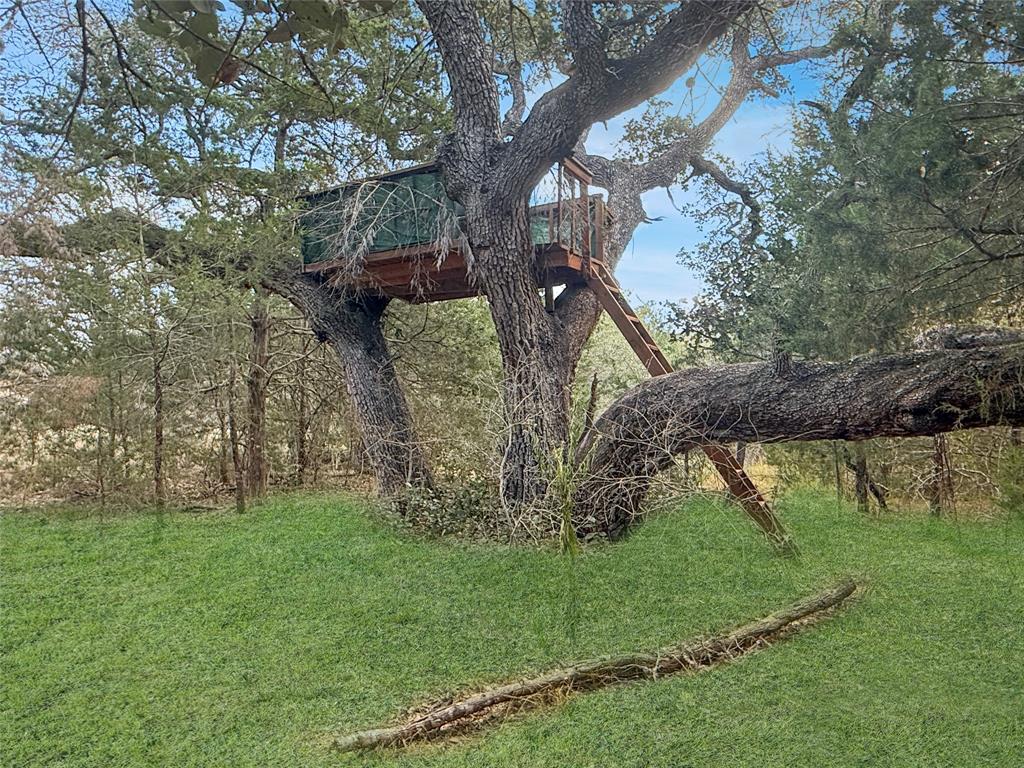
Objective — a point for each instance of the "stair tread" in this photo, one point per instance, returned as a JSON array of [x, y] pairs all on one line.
[[628, 322]]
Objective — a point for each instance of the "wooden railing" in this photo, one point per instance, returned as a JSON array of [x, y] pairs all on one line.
[[577, 225]]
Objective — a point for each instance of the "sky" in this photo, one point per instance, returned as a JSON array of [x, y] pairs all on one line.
[[650, 270]]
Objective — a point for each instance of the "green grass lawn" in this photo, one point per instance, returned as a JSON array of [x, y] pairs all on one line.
[[235, 641]]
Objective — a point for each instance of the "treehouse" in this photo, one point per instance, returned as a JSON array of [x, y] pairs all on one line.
[[400, 235]]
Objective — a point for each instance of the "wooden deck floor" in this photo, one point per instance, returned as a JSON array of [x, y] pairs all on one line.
[[420, 274]]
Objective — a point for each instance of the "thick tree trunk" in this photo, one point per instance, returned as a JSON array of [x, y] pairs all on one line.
[[535, 396], [257, 382], [927, 393], [351, 326]]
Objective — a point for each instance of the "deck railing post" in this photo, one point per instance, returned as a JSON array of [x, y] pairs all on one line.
[[558, 230], [588, 233], [572, 213]]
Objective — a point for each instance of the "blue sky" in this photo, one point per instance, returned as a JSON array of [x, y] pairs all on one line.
[[650, 270]]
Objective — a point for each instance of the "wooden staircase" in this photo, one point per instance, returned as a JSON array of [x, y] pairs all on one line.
[[601, 281]]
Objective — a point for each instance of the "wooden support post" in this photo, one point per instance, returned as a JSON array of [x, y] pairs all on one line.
[[572, 213], [589, 227]]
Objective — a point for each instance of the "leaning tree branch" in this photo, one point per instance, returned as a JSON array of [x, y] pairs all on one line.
[[596, 93], [782, 58], [704, 166], [692, 656], [905, 395]]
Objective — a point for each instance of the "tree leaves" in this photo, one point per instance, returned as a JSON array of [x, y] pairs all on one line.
[[196, 25]]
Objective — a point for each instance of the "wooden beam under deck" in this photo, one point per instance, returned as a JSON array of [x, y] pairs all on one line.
[[417, 274]]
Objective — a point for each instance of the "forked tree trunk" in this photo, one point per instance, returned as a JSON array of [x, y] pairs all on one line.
[[535, 395], [351, 326]]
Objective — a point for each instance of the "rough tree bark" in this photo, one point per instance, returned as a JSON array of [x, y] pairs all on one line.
[[351, 326], [927, 393], [257, 384]]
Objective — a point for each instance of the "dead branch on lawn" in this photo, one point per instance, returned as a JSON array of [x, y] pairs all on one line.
[[448, 716]]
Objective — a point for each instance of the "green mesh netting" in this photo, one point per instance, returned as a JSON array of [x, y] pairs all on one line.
[[378, 215], [391, 213]]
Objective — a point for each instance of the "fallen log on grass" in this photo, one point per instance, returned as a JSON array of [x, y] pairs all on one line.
[[969, 381], [449, 716]]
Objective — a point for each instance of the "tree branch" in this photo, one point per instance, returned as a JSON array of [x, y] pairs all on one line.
[[703, 166], [458, 32], [593, 94], [925, 393], [514, 117]]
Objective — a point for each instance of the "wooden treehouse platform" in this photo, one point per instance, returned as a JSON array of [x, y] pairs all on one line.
[[406, 255]]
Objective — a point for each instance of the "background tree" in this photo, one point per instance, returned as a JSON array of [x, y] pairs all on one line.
[[898, 208]]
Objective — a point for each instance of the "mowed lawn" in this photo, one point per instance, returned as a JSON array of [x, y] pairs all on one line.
[[221, 640]]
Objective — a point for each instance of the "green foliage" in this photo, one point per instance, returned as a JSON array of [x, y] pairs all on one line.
[[470, 509], [899, 207], [649, 135], [216, 640], [195, 26]]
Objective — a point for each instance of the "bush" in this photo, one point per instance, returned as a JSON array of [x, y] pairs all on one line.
[[471, 510]]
